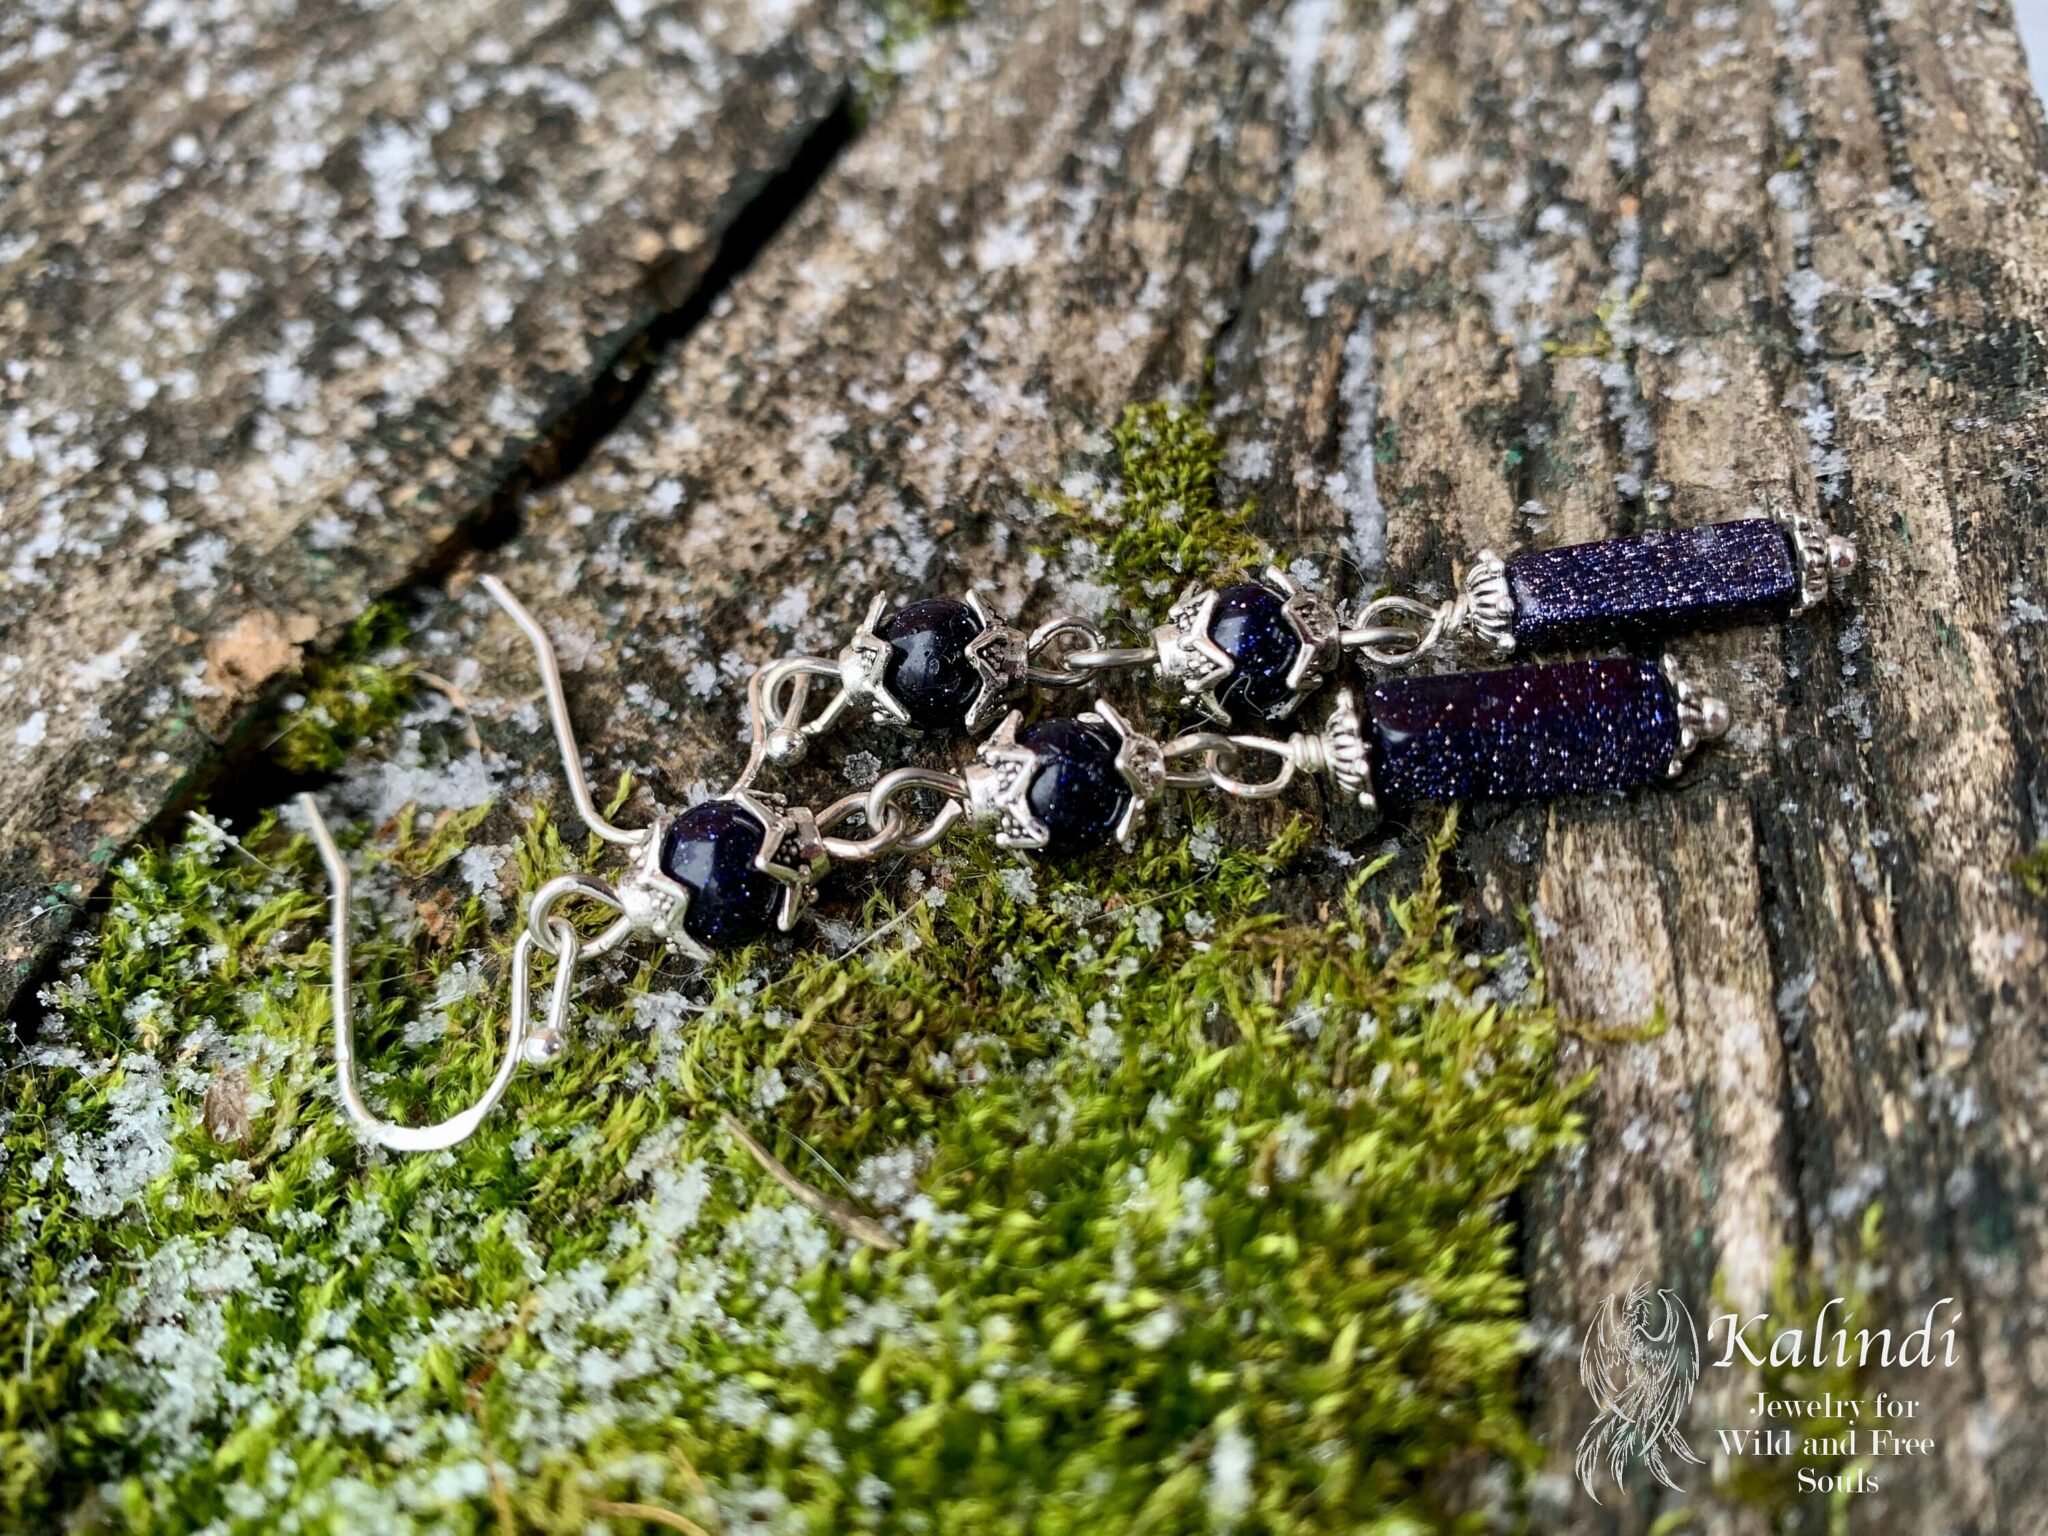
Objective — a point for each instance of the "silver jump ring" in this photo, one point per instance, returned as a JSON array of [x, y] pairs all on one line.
[[1042, 640], [541, 919]]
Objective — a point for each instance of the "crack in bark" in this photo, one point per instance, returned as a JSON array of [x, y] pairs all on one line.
[[236, 779]]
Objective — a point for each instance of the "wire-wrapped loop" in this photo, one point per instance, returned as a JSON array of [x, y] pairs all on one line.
[[1396, 631]]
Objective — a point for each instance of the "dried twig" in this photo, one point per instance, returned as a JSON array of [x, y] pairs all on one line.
[[500, 1499], [649, 1512], [838, 1212]]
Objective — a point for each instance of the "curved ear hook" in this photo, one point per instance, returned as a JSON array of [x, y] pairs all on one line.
[[518, 1029], [545, 931], [558, 715]]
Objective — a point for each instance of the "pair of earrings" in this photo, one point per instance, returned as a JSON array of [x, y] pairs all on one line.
[[1247, 655]]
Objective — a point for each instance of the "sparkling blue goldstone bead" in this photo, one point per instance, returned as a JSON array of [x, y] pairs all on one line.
[[928, 670], [710, 851], [1250, 625], [1653, 585], [1560, 728], [1077, 792]]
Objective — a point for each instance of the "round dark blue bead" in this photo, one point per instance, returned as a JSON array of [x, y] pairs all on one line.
[[710, 851], [1076, 792], [928, 670], [1250, 625]]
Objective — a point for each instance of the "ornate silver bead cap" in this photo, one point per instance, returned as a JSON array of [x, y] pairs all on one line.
[[864, 668], [1339, 754], [1489, 604], [1140, 762], [1315, 625], [1188, 658], [792, 851], [999, 658], [652, 902], [1701, 716], [1824, 558], [999, 788]]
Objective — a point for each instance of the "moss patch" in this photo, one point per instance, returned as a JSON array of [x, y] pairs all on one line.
[[1162, 526], [1199, 1212], [2031, 870], [347, 695]]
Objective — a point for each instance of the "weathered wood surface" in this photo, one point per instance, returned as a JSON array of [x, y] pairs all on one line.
[[1482, 273], [288, 295]]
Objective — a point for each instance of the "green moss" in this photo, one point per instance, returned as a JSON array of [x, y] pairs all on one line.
[[2031, 870], [1199, 1211], [1163, 526], [898, 26], [347, 695]]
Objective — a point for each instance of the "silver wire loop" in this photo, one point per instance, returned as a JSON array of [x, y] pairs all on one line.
[[1048, 666], [776, 695], [558, 715], [1215, 749], [543, 922], [891, 827], [1397, 644], [519, 1036]]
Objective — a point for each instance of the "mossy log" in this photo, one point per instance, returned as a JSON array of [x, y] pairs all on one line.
[[1447, 275]]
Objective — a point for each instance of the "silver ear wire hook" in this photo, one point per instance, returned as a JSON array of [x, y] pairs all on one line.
[[558, 714], [546, 931], [518, 1031]]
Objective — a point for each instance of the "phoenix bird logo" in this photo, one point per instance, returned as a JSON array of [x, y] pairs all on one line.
[[1641, 1379]]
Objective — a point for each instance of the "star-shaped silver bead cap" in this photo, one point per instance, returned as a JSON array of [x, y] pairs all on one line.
[[999, 788]]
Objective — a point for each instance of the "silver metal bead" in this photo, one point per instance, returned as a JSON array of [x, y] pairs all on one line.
[[1821, 555], [792, 850], [652, 902], [1000, 659], [1139, 761], [999, 788], [1489, 604], [1701, 716]]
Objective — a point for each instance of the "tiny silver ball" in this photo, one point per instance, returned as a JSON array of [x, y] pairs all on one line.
[[543, 1048], [1841, 555], [1714, 718], [786, 746]]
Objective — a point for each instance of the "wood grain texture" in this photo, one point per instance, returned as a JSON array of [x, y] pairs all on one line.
[[288, 295], [1509, 273]]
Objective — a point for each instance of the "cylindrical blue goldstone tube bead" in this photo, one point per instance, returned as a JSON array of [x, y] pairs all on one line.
[[1528, 732], [1653, 584]]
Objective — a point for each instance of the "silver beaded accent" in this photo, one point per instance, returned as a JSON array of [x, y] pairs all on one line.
[[1339, 754], [1822, 556], [999, 785], [792, 850], [654, 903], [1701, 716], [1139, 761], [1489, 604], [999, 658]]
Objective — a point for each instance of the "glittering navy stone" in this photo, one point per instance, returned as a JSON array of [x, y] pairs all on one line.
[[1560, 728], [710, 851], [1250, 624], [1076, 792], [928, 670], [1653, 585]]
